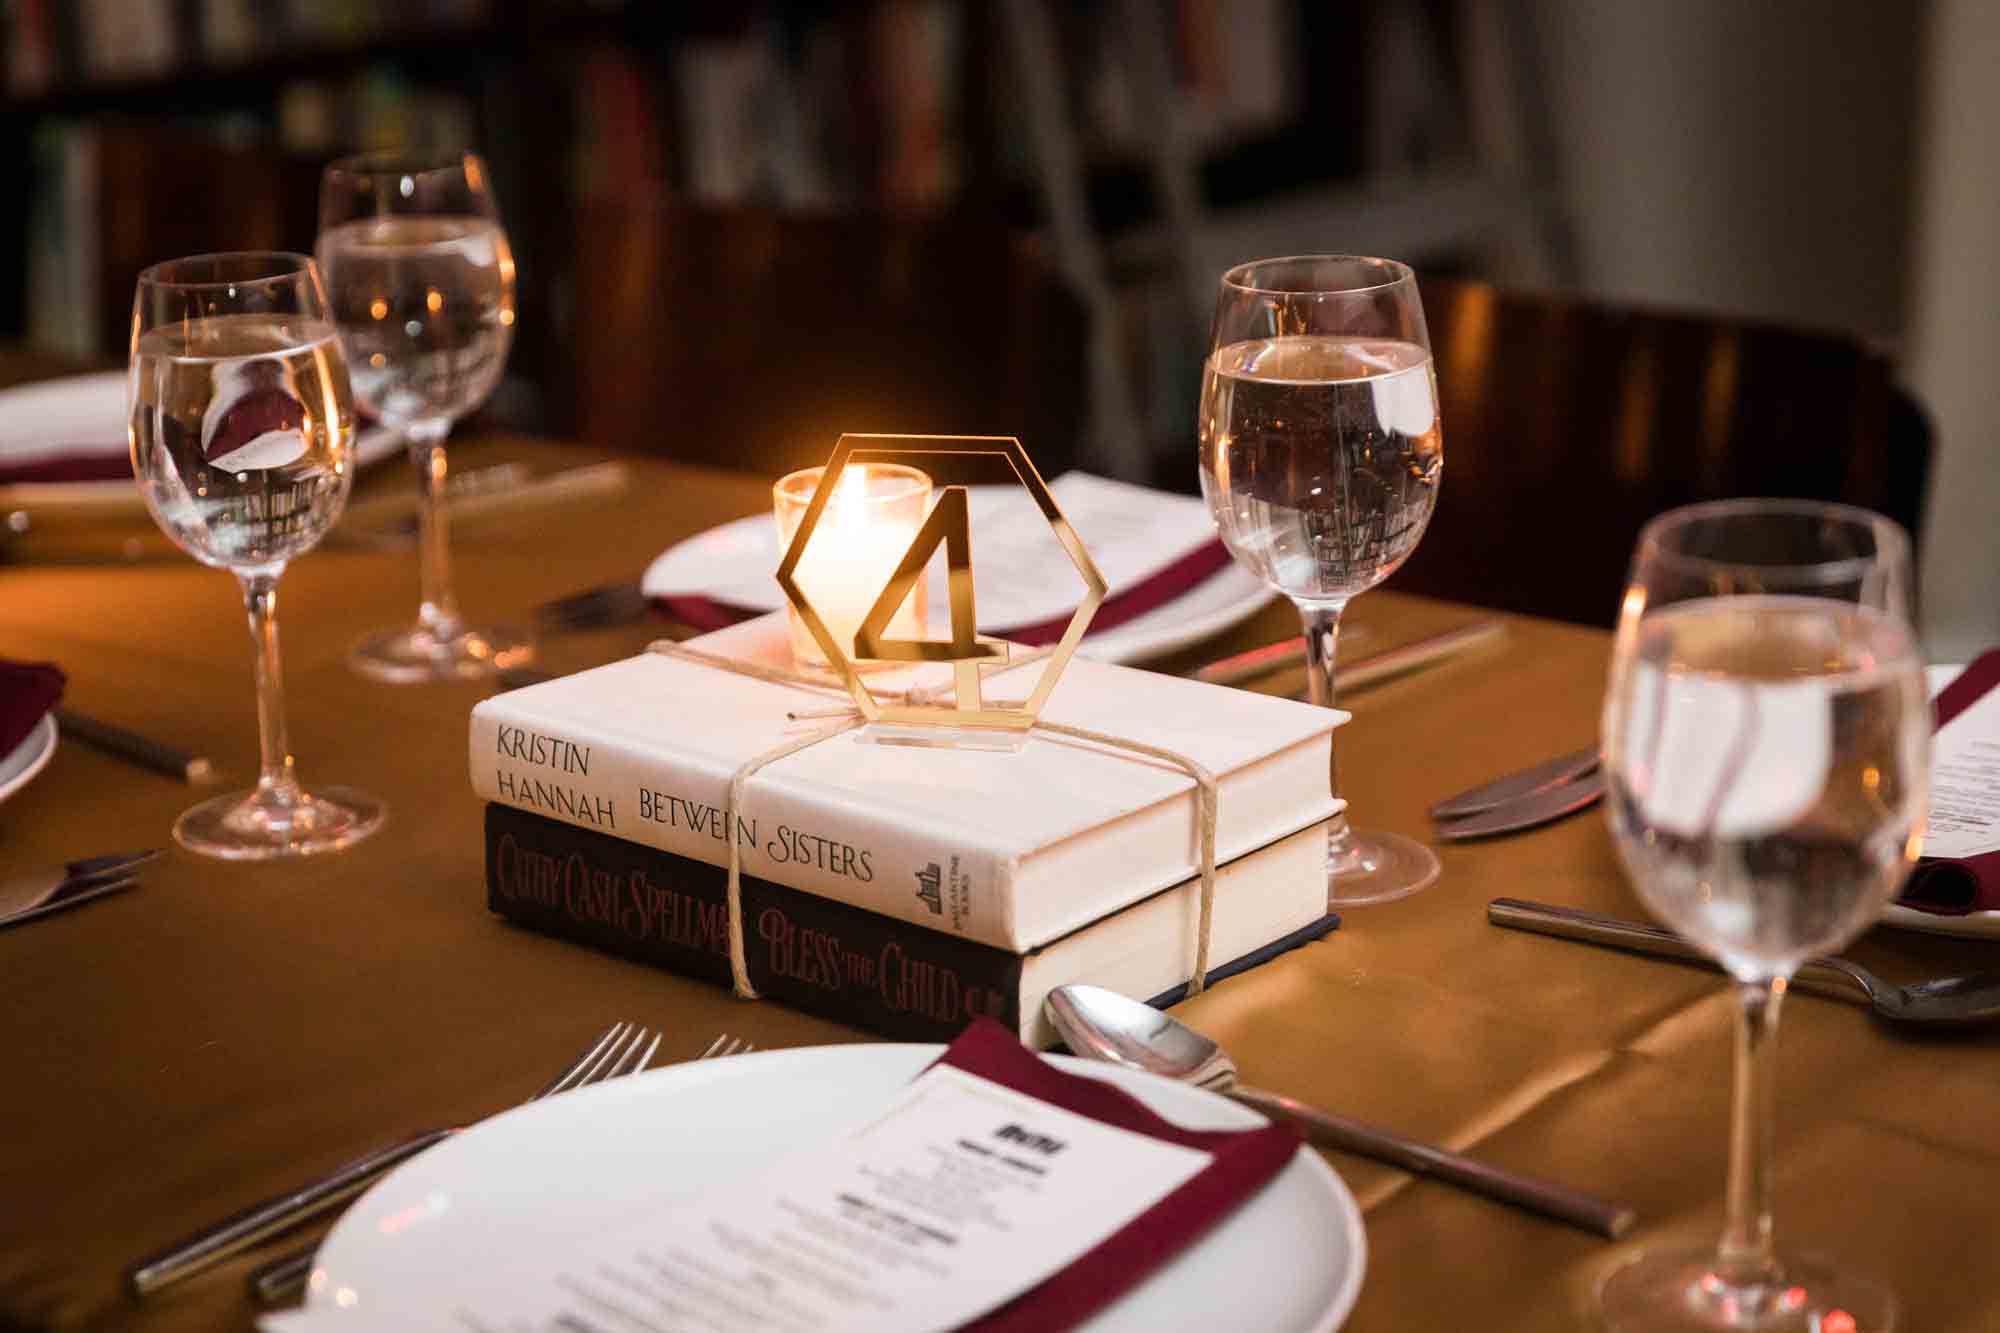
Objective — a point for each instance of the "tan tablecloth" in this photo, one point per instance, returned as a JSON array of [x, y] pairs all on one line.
[[180, 1050]]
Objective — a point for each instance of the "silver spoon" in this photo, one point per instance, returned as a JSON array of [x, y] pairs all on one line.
[[38, 892], [1963, 1001], [1104, 1025]]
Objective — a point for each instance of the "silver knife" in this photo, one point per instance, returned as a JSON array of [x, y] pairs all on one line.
[[1565, 798], [1527, 782]]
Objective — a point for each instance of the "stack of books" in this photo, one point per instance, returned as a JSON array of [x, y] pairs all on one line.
[[907, 890]]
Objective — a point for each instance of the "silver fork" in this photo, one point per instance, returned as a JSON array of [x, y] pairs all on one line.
[[284, 1279], [622, 1049]]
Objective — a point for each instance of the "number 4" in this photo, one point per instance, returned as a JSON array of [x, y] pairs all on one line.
[[949, 525]]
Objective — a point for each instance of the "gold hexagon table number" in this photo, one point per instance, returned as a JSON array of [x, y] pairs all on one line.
[[971, 721]]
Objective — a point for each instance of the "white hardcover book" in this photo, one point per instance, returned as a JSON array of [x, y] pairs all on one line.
[[1009, 849]]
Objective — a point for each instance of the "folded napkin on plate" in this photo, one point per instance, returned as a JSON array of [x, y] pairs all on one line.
[[65, 464], [68, 429], [1155, 590], [1955, 886], [73, 429], [28, 690], [1244, 1160]]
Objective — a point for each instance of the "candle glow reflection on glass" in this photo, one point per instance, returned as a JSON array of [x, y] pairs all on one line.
[[869, 521]]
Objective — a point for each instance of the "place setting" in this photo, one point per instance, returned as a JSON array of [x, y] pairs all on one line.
[[910, 777], [1170, 582], [29, 732]]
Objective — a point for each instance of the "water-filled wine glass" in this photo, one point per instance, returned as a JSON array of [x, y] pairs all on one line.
[[1766, 750], [422, 283], [242, 434], [1321, 454]]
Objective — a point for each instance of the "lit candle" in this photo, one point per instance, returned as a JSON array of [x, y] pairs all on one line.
[[869, 522]]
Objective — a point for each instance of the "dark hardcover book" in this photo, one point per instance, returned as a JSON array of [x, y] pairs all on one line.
[[813, 953]]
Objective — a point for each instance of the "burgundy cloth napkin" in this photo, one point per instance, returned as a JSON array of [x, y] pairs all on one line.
[[80, 465], [28, 690], [1155, 590], [1244, 1161], [1970, 884]]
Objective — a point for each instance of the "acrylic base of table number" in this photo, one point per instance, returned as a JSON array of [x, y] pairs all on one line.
[[997, 726], [932, 735]]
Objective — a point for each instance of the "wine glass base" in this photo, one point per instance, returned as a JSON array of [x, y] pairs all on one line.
[[238, 827], [412, 656], [1378, 867], [1679, 1291]]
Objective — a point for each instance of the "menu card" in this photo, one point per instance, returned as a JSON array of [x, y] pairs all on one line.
[[995, 1192], [1960, 870]]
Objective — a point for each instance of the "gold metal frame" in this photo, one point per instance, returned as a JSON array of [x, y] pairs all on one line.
[[954, 461]]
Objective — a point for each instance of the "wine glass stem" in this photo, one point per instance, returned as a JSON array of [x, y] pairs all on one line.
[[277, 783], [437, 614], [1321, 621], [1746, 1257]]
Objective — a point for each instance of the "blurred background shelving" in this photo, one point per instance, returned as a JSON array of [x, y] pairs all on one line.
[[144, 128], [738, 226]]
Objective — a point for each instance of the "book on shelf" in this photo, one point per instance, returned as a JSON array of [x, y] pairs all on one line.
[[64, 240], [1027, 846], [128, 39], [31, 47], [903, 981]]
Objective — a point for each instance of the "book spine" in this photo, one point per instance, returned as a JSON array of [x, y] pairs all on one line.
[[836, 851], [820, 956]]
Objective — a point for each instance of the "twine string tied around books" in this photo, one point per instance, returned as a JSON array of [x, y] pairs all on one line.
[[848, 718]]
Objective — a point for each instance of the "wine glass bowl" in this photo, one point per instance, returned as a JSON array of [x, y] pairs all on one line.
[[1766, 754], [422, 282], [1321, 456], [242, 424], [242, 436]]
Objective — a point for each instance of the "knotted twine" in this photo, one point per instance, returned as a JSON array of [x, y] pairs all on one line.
[[850, 718]]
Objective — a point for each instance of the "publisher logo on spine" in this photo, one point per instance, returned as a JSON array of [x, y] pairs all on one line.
[[929, 889]]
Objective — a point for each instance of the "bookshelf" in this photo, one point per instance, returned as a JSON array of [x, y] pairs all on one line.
[[1146, 140]]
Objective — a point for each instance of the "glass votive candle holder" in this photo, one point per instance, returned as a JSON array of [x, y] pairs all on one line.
[[868, 523]]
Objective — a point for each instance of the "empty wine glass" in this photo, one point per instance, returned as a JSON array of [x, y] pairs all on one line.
[[242, 434], [1321, 454], [422, 282], [1767, 756]]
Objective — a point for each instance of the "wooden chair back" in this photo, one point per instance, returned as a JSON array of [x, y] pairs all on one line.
[[750, 338]]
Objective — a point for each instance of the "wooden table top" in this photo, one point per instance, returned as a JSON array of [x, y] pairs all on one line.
[[224, 1031]]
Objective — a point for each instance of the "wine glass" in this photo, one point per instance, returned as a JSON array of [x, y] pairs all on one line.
[[1321, 454], [1767, 755], [422, 281], [242, 434]]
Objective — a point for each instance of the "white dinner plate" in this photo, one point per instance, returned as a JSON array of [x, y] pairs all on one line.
[[733, 564], [581, 1163], [19, 766], [1230, 594], [1973, 925], [85, 415]]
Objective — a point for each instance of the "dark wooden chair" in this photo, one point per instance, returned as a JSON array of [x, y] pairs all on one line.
[[751, 338], [1569, 423]]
